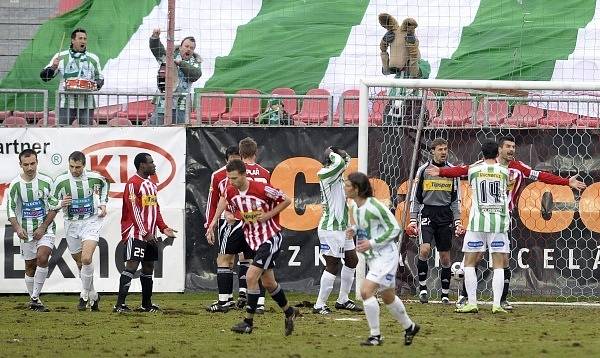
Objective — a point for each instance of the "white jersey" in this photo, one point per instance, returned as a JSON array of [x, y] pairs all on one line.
[[379, 225], [88, 192], [333, 196], [489, 200]]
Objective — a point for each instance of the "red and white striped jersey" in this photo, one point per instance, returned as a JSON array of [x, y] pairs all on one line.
[[140, 214], [219, 181], [259, 197]]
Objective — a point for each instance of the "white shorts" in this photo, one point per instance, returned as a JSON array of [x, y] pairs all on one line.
[[77, 231], [334, 243], [29, 249], [476, 241], [382, 269]]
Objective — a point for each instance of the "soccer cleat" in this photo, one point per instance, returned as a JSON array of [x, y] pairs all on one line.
[[94, 304], [506, 305], [36, 305], [151, 309], [424, 296], [123, 308], [462, 300], [219, 307], [242, 327], [348, 305], [498, 309], [260, 309], [322, 310], [372, 341], [445, 300], [410, 333], [289, 321], [82, 304], [467, 308], [242, 300]]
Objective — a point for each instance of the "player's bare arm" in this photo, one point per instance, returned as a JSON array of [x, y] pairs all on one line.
[[41, 230], [210, 231], [21, 234]]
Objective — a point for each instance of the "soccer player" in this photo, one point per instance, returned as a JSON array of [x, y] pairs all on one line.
[[489, 220], [140, 217], [376, 229], [332, 233], [435, 203], [230, 236], [518, 171], [77, 190], [259, 205], [31, 209]]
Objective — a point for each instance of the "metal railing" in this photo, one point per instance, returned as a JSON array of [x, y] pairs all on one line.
[[19, 102]]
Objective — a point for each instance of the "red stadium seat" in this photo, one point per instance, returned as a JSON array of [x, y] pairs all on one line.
[[225, 123], [76, 124], [525, 116], [51, 122], [211, 107], [497, 112], [119, 122], [587, 122], [347, 106], [29, 115], [4, 114], [138, 111], [314, 110], [289, 104], [106, 113], [457, 109], [376, 115], [14, 121], [244, 109], [556, 119]]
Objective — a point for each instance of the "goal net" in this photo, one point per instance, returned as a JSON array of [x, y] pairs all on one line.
[[555, 251]]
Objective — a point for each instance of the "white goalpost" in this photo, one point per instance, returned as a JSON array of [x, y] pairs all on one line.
[[554, 233]]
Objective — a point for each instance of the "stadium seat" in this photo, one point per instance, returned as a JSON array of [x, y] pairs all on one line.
[[106, 113], [525, 116], [4, 114], [289, 104], [211, 107], [300, 123], [32, 115], [556, 119], [314, 110], [14, 121], [138, 111], [376, 114], [225, 123], [76, 124], [587, 122], [457, 109], [243, 109], [119, 122], [497, 112], [51, 122], [347, 106]]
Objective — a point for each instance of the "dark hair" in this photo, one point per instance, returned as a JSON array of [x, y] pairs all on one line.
[[436, 142], [334, 149], [236, 165], [27, 153], [74, 33], [191, 38], [248, 147], [362, 183], [231, 150], [505, 139], [489, 148], [139, 159], [77, 156]]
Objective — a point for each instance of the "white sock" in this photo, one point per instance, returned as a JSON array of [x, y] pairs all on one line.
[[327, 280], [29, 284], [261, 301], [371, 307], [347, 279], [87, 279], [498, 285], [471, 284], [399, 312], [223, 297], [38, 281]]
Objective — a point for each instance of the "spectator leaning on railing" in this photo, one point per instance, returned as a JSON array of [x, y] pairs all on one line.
[[80, 71], [187, 63]]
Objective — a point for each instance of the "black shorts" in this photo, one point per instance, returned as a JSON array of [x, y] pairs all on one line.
[[437, 227], [267, 252], [140, 250], [232, 240]]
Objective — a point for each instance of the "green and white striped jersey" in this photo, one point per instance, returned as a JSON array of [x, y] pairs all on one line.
[[87, 192], [30, 201], [333, 196], [379, 224], [489, 199], [77, 65]]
